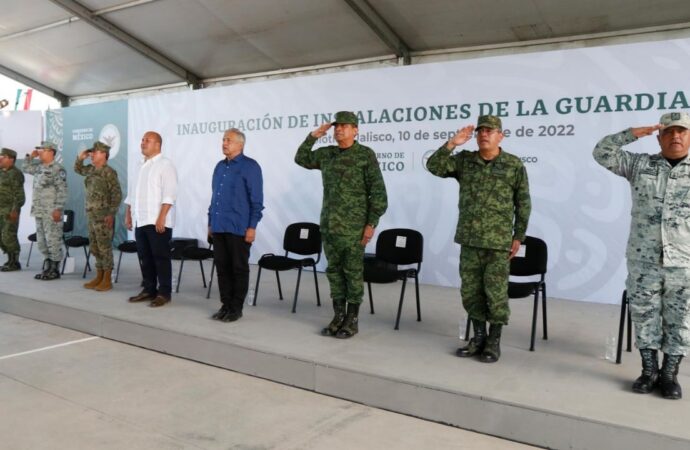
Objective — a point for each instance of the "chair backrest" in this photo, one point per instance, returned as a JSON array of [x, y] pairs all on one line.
[[68, 221], [534, 261], [400, 246], [303, 238]]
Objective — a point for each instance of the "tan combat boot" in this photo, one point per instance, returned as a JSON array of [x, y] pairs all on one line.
[[106, 284], [96, 281]]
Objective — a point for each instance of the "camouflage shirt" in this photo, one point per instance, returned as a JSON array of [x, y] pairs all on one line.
[[660, 222], [103, 192], [354, 194], [11, 189], [50, 186], [494, 197]]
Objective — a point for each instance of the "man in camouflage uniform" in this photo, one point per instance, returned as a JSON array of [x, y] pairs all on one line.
[[494, 210], [354, 198], [11, 202], [103, 197], [658, 253], [49, 197]]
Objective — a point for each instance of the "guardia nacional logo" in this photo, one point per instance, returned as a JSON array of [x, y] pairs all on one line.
[[111, 135]]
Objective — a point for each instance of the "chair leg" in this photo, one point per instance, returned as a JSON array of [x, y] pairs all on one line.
[[256, 289], [117, 271], [316, 284], [416, 288], [534, 319], [294, 303], [543, 308], [280, 289], [402, 297], [203, 276], [467, 329], [87, 254], [630, 327], [28, 258], [371, 299], [621, 327], [210, 280], [62, 272], [87, 265], [179, 276]]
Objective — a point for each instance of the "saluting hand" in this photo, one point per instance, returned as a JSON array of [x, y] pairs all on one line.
[[322, 130], [645, 131], [463, 135]]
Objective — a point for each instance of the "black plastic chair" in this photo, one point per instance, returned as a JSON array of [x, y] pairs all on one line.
[[197, 254], [125, 247], [533, 263], [74, 241], [625, 307], [302, 238], [394, 247]]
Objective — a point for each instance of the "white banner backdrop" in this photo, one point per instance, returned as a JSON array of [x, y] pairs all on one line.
[[22, 131], [555, 106]]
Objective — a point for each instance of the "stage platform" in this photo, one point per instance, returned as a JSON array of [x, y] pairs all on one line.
[[563, 395]]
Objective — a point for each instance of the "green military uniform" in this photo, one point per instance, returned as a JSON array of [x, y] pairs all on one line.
[[354, 195], [11, 201], [49, 194], [494, 210], [103, 197]]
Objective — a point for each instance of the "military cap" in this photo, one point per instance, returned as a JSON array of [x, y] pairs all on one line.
[[675, 119], [346, 117], [101, 147], [8, 152], [47, 145], [492, 122]]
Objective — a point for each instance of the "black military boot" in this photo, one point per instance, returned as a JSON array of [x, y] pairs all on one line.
[[476, 345], [668, 381], [492, 349], [46, 268], [338, 319], [12, 263], [646, 382], [350, 327], [53, 271]]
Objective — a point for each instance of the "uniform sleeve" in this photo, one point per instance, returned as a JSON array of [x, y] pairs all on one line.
[[610, 155], [376, 190], [523, 205], [442, 163], [82, 169], [17, 191], [116, 192], [60, 183], [30, 166], [307, 158], [255, 189]]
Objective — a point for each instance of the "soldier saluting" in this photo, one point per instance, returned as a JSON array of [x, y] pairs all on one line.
[[103, 197], [49, 197]]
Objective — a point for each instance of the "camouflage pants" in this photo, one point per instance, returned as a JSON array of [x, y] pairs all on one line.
[[345, 271], [484, 290], [101, 242], [659, 299], [8, 233], [49, 237]]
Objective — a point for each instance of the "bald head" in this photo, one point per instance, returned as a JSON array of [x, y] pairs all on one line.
[[151, 144]]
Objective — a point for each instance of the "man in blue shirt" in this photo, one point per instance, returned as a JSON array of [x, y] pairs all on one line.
[[235, 211]]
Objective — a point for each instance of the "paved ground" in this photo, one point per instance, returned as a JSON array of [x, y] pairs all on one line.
[[64, 389]]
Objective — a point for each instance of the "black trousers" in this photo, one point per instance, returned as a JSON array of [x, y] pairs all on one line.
[[155, 258], [231, 255]]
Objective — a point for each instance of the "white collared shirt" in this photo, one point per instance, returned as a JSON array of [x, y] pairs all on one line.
[[156, 185]]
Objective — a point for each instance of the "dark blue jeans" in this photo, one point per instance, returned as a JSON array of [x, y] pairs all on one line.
[[155, 259]]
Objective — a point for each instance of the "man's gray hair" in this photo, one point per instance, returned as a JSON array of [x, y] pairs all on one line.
[[237, 133]]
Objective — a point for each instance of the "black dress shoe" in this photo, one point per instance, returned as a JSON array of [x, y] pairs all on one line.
[[220, 313], [231, 316], [160, 300], [141, 297]]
